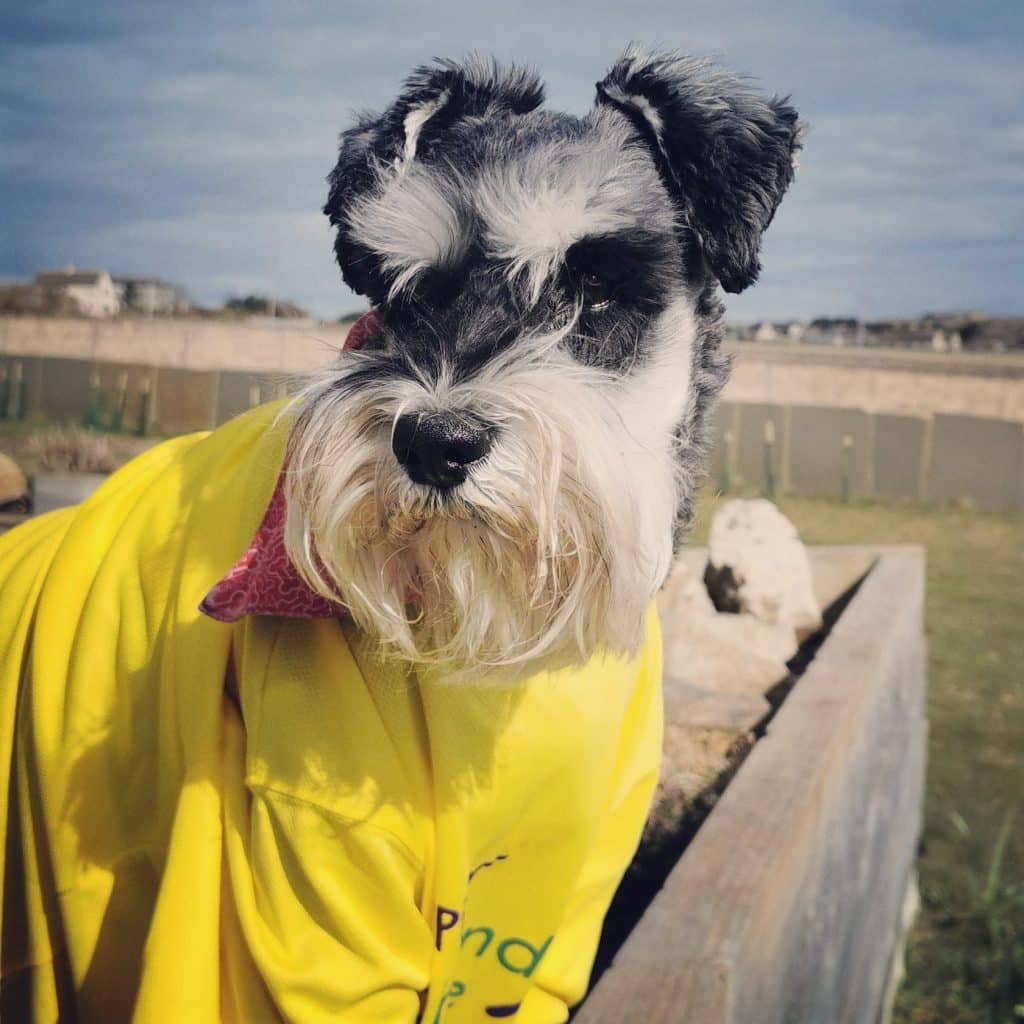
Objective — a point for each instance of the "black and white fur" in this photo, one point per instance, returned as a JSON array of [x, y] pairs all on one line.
[[554, 278]]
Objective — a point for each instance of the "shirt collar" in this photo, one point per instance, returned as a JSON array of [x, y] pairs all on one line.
[[264, 581]]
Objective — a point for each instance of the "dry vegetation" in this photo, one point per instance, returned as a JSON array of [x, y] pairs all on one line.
[[60, 448]]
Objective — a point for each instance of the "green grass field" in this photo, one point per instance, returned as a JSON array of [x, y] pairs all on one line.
[[965, 961]]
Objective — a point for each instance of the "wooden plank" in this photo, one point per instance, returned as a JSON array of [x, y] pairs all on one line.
[[785, 908]]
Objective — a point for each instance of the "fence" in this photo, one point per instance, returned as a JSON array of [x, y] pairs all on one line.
[[174, 375], [891, 424], [811, 449]]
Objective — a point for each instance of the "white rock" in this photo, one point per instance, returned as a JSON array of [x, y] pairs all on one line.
[[734, 654], [727, 653], [717, 669], [757, 564], [684, 595], [12, 480]]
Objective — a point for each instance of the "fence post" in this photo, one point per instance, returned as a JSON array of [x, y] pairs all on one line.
[[145, 398], [769, 459], [847, 470], [120, 402], [94, 413], [16, 397]]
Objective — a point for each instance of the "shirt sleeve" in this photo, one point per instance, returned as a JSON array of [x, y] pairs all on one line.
[[561, 979]]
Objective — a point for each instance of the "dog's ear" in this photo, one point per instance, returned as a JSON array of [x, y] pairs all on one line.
[[725, 153], [433, 98]]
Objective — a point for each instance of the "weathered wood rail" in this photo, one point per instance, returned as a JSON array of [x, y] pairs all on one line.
[[787, 906]]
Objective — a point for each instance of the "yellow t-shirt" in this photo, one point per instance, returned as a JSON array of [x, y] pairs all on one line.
[[343, 842]]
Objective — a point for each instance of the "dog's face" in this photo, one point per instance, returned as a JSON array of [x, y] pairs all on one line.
[[496, 481]]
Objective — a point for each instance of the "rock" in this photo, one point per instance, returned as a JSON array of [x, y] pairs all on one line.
[[13, 484], [717, 669], [684, 595], [757, 564], [724, 653], [694, 706], [730, 654], [727, 653]]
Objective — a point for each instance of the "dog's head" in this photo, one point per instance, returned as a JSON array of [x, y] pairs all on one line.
[[497, 479]]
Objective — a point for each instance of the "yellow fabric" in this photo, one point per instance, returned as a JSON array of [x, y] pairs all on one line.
[[344, 843]]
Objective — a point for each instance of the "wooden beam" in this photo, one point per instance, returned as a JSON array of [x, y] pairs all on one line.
[[785, 909]]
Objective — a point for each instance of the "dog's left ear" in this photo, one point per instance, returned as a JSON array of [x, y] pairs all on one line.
[[725, 153], [433, 98]]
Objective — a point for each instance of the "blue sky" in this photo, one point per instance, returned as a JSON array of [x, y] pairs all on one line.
[[191, 141]]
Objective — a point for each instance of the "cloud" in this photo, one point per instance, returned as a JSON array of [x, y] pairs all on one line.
[[192, 143]]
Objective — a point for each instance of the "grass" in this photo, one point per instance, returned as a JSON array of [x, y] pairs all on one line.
[[965, 959], [39, 445]]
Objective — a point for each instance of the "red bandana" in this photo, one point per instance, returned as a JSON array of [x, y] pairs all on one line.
[[264, 581]]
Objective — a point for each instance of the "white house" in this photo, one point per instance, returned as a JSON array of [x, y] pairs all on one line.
[[151, 296], [92, 291]]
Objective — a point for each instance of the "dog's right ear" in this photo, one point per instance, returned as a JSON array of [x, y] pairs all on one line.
[[433, 98]]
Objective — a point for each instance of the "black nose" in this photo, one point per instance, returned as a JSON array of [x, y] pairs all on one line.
[[437, 449]]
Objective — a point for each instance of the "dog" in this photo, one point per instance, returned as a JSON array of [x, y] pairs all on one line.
[[309, 800], [517, 449]]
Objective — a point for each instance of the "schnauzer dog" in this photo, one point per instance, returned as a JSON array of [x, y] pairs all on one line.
[[513, 451], [249, 814]]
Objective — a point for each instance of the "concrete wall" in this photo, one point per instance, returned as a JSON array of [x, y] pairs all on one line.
[[901, 455], [922, 425], [198, 373], [819, 443], [980, 458], [928, 458], [197, 345], [894, 381], [900, 382]]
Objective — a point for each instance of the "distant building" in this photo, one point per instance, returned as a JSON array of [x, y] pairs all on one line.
[[151, 296], [91, 291], [266, 306], [967, 316], [969, 331]]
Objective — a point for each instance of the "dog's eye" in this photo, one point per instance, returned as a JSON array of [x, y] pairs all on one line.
[[597, 291]]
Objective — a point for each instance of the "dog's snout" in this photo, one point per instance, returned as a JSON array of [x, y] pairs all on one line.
[[437, 449]]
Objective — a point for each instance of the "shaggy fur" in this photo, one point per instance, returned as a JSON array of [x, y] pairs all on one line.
[[550, 282]]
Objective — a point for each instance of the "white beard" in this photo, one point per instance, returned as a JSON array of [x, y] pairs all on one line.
[[550, 551]]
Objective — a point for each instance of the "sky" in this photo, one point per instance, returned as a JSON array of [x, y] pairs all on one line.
[[190, 141]]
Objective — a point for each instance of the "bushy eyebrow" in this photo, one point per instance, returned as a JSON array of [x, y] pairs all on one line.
[[415, 222], [637, 245]]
